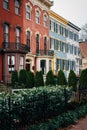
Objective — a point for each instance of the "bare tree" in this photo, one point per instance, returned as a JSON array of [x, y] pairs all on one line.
[[83, 33]]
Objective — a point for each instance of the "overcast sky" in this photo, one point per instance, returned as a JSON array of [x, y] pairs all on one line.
[[74, 11]]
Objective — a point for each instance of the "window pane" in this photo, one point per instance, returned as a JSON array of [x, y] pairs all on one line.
[[28, 12], [37, 17], [17, 7], [45, 20], [6, 4], [6, 33]]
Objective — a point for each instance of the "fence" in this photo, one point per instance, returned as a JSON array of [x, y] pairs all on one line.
[[20, 115]]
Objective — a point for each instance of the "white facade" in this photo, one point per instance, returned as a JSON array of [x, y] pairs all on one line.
[[73, 48]]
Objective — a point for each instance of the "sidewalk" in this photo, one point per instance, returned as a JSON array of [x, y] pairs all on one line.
[[81, 125]]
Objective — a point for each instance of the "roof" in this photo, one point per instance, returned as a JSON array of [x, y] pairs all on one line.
[[83, 48], [74, 26]]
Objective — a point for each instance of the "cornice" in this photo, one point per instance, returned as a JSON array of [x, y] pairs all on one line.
[[58, 17], [44, 5]]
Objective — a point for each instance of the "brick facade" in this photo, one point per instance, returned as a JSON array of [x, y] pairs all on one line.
[[9, 17]]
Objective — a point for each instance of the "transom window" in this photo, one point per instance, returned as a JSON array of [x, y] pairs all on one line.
[[6, 4], [37, 17], [17, 7], [28, 12]]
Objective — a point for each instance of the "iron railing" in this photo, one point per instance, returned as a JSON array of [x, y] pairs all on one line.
[[44, 52], [12, 46]]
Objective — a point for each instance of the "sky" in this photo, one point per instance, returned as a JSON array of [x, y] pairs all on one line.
[[74, 11]]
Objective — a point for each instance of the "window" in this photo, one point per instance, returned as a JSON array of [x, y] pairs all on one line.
[[6, 4], [11, 63], [17, 7], [51, 43], [45, 20], [50, 65], [57, 64], [37, 17], [67, 65], [43, 66], [45, 44], [17, 35], [28, 12], [56, 28], [6, 32], [21, 62], [64, 64], [37, 43], [28, 39], [66, 32]]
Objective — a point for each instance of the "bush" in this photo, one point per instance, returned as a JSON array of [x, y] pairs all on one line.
[[22, 77], [83, 79], [63, 120], [39, 79], [72, 80], [30, 80], [61, 79], [14, 78], [50, 78]]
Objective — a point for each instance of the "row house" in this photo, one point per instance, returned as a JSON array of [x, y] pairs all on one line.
[[37, 29], [72, 48], [24, 36], [12, 47], [64, 42], [83, 50]]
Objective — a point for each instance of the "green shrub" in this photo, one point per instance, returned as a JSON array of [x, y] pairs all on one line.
[[39, 79], [30, 80], [14, 78], [61, 79], [22, 77], [50, 78], [63, 120], [72, 80], [83, 79]]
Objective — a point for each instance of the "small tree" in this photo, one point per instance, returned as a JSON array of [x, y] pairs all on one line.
[[83, 79], [30, 80], [39, 79], [61, 79], [72, 80], [22, 77], [14, 78], [50, 78]]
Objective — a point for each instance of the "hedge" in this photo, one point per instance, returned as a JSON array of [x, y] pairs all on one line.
[[37, 104], [62, 120]]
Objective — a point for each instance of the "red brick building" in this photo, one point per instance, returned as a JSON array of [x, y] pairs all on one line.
[[24, 29]]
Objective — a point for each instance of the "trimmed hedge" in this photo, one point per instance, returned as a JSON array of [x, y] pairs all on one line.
[[72, 80], [39, 79], [61, 79], [37, 104], [14, 78], [50, 78], [63, 120], [30, 80]]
